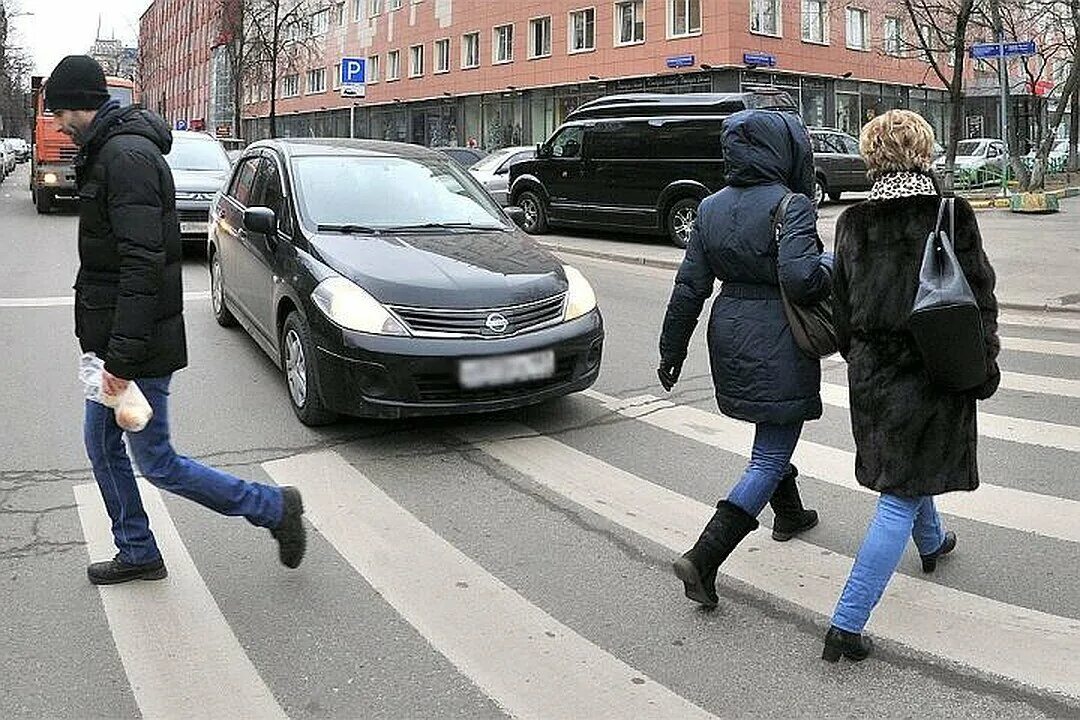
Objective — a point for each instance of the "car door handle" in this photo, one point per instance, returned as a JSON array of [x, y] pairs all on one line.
[[565, 173]]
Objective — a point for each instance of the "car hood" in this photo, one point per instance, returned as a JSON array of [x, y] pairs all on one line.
[[199, 180], [453, 270]]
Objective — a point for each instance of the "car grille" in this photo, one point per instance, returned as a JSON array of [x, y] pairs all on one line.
[[192, 215], [436, 387], [67, 154], [444, 322]]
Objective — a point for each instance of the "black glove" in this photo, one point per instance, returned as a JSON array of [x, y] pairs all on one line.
[[668, 372]]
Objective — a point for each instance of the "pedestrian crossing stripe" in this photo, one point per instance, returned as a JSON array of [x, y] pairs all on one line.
[[1027, 646], [527, 662], [1041, 347], [180, 656], [1020, 510]]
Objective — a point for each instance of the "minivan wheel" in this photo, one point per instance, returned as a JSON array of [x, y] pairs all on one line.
[[819, 191], [222, 314], [680, 221], [298, 357], [535, 215]]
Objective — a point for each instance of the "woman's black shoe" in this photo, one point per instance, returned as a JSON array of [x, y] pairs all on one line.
[[839, 642], [115, 571], [929, 562], [790, 517], [697, 567], [290, 534]]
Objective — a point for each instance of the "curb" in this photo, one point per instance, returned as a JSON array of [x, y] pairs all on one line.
[[1003, 203], [673, 265]]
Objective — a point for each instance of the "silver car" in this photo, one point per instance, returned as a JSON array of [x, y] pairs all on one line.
[[979, 161], [200, 168], [493, 171]]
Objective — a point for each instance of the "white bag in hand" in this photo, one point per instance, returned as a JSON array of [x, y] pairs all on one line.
[[132, 410]]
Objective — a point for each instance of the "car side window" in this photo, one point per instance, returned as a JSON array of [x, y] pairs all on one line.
[[568, 143], [273, 194], [243, 181], [851, 145], [619, 140]]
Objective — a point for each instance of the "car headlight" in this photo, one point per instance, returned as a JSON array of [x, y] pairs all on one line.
[[580, 298], [351, 307], [49, 178]]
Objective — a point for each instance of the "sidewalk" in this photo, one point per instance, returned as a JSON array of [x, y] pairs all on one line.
[[1036, 257]]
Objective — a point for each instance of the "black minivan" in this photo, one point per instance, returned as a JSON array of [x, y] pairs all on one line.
[[637, 162]]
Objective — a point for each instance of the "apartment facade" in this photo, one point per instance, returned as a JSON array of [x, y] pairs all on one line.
[[505, 73]]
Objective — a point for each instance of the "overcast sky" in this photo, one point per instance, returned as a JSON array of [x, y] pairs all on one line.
[[67, 27]]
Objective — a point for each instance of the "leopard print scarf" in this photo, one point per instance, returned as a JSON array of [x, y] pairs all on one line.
[[902, 184]]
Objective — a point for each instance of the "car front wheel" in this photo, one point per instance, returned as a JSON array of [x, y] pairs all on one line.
[[298, 357], [535, 214], [222, 314]]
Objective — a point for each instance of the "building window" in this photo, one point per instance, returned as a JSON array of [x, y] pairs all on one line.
[[858, 29], [684, 18], [815, 21], [470, 50], [442, 55], [335, 82], [393, 65], [339, 14], [395, 4], [540, 37], [290, 86], [765, 17], [373, 7], [583, 30], [893, 39], [371, 71], [416, 61], [630, 22], [320, 22], [502, 44], [358, 10], [316, 80]]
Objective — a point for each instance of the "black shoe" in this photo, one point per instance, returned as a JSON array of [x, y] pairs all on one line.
[[790, 516], [697, 567], [929, 562], [839, 642], [290, 534], [115, 571]]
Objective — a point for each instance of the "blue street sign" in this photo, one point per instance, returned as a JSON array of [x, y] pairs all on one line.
[[759, 58], [983, 51], [181, 124], [680, 61], [352, 71]]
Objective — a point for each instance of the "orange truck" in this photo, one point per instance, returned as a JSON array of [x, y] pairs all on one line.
[[52, 163]]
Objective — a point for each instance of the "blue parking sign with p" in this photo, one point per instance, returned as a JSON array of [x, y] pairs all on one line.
[[352, 71]]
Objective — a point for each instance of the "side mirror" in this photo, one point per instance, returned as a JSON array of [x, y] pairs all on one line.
[[543, 151], [260, 220], [516, 214]]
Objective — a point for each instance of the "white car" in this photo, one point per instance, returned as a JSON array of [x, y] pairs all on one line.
[[978, 161], [493, 171], [1055, 161]]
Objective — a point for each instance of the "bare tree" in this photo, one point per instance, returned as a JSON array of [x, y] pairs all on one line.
[[15, 69], [1071, 86]]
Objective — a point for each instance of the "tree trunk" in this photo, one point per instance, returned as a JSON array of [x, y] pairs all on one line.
[[274, 49], [1074, 132]]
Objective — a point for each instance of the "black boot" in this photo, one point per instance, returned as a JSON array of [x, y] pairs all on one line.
[[790, 516], [929, 562], [112, 572], [839, 642], [290, 534], [697, 567]]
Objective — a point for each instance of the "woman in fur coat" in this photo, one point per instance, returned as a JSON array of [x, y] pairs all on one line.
[[913, 440]]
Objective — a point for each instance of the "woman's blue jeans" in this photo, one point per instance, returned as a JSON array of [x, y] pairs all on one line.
[[769, 460], [229, 495], [897, 519]]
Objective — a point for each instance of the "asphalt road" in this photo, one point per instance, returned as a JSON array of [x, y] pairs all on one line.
[[515, 565]]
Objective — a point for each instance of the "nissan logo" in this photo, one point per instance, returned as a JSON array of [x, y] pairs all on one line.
[[497, 322]]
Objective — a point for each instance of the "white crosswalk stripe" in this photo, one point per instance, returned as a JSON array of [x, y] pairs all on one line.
[[1042, 347], [178, 651], [526, 661], [1031, 647]]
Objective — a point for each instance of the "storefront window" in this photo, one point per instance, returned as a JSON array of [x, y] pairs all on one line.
[[471, 121], [389, 124], [814, 103], [847, 113], [542, 119], [502, 118]]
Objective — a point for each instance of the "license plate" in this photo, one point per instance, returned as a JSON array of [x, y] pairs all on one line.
[[506, 370], [192, 228]]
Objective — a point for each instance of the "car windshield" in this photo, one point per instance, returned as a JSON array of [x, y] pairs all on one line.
[[1061, 147], [197, 154], [493, 161], [121, 94], [384, 192], [968, 148]]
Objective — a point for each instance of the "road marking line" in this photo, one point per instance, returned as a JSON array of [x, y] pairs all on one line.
[[1041, 347], [1032, 647], [1001, 427], [1051, 517], [523, 659], [1055, 320], [69, 300], [179, 653]]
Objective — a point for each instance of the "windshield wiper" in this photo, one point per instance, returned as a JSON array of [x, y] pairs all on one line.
[[351, 229], [442, 226]]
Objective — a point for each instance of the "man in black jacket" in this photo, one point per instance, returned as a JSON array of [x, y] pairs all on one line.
[[129, 313]]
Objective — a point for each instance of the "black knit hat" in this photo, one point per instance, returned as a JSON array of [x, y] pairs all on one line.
[[77, 83]]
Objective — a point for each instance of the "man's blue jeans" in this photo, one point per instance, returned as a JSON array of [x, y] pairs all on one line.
[[158, 462], [769, 460], [897, 519]]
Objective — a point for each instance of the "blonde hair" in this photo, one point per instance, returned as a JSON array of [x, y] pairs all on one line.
[[897, 141]]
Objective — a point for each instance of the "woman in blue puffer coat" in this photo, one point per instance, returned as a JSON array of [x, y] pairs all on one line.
[[759, 372]]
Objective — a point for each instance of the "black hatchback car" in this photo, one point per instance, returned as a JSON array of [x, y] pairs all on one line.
[[638, 162], [385, 282]]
